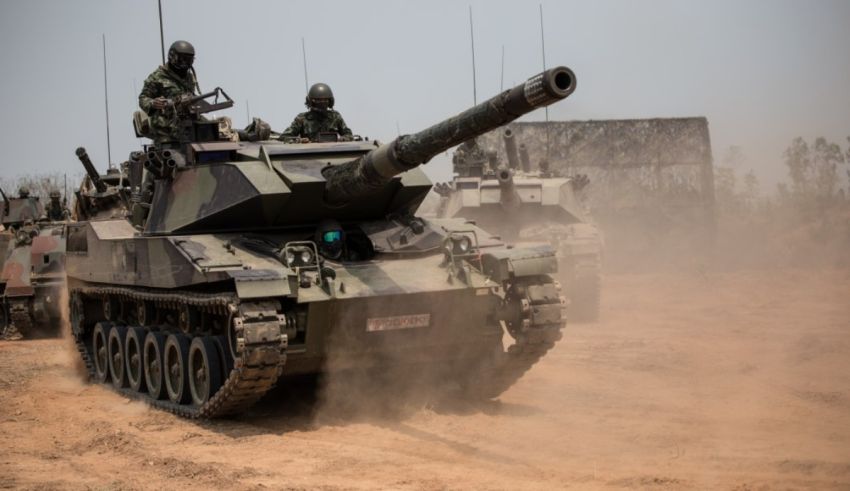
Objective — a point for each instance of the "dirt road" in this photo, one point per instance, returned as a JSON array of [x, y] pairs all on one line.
[[690, 381]]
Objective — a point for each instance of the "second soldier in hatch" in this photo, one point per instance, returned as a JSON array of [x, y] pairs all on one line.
[[321, 118], [55, 210], [165, 87]]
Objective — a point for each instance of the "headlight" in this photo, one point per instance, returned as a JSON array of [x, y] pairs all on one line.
[[306, 257], [462, 245], [290, 258]]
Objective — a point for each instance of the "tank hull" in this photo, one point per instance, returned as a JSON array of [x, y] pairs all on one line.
[[539, 209], [32, 280], [277, 322]]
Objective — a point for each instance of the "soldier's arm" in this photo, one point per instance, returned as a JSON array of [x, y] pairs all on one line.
[[295, 129], [150, 91], [341, 127]]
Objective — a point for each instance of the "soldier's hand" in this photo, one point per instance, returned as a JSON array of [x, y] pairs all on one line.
[[160, 103]]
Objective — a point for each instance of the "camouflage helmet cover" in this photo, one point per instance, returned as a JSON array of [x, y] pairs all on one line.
[[54, 194], [320, 92], [23, 192]]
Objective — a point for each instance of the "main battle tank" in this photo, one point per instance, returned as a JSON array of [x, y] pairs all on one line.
[[228, 266], [525, 205], [32, 276]]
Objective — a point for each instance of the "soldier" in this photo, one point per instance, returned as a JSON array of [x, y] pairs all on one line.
[[55, 210], [23, 192], [469, 159], [165, 87], [321, 118]]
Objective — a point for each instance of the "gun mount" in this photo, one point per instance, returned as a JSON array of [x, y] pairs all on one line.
[[375, 169]]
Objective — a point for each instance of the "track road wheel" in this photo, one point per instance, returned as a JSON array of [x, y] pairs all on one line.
[[204, 369], [100, 351], [134, 354], [224, 356], [154, 350], [117, 368], [177, 368]]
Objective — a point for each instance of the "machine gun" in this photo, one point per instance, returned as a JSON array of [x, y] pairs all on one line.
[[197, 104]]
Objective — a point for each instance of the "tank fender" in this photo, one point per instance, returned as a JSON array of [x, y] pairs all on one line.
[[260, 283], [506, 264]]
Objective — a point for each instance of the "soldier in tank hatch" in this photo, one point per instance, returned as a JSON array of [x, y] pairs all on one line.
[[55, 210], [165, 87], [469, 159], [321, 118]]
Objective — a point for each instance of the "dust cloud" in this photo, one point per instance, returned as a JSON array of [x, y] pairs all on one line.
[[388, 384], [721, 360]]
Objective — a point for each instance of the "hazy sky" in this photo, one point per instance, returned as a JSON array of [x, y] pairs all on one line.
[[761, 71]]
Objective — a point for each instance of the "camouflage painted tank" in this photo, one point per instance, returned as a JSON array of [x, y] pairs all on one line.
[[226, 267], [524, 205], [33, 275]]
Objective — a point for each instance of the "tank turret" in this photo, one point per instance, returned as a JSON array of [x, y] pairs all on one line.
[[375, 169]]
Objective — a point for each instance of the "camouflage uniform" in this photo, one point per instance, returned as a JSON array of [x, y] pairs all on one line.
[[55, 211], [467, 155], [309, 124], [165, 82]]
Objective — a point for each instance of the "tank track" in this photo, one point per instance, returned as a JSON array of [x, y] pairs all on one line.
[[258, 360], [536, 337]]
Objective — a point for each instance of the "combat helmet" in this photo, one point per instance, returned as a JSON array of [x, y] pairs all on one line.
[[23, 192], [320, 97], [181, 55]]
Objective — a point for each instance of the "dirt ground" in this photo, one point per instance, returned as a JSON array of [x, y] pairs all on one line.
[[690, 381]]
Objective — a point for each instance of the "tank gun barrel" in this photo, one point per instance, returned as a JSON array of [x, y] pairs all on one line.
[[510, 148], [99, 185], [507, 192], [375, 169]]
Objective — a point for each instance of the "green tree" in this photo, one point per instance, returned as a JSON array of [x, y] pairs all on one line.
[[814, 169]]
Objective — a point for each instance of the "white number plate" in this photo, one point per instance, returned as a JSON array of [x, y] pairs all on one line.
[[397, 322]]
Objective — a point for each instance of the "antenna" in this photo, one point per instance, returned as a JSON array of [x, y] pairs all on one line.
[[472, 41], [502, 78], [543, 51], [106, 105], [304, 57], [161, 36], [248, 110]]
